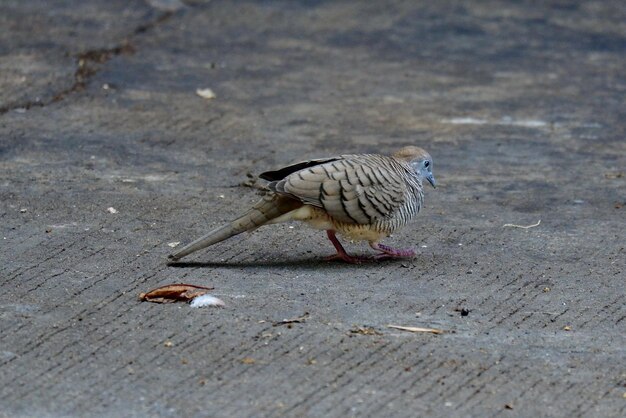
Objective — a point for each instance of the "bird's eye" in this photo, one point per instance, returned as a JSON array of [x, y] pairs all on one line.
[[426, 163]]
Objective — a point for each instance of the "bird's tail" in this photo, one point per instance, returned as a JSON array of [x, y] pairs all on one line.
[[270, 207]]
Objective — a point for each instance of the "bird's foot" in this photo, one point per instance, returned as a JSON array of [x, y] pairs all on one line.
[[389, 252], [341, 252]]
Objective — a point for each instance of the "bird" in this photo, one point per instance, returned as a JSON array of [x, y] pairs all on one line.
[[362, 197]]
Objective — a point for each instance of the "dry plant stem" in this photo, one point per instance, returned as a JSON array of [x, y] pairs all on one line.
[[522, 226], [297, 320], [416, 329]]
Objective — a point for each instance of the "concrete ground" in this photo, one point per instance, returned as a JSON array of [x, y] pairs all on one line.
[[521, 105]]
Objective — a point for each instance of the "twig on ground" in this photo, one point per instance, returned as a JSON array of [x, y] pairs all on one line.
[[416, 329], [522, 226], [297, 320]]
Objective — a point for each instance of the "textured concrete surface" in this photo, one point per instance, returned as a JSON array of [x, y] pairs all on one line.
[[521, 105]]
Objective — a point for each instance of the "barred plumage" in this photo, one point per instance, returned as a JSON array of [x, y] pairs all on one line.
[[361, 196]]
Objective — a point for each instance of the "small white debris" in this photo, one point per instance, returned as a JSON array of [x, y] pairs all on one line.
[[291, 226], [466, 121], [111, 210], [221, 196], [206, 93], [424, 246], [504, 121], [105, 86], [532, 123], [460, 244], [173, 244], [207, 300], [527, 123], [23, 210]]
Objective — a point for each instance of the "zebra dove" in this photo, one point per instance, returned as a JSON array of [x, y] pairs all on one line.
[[364, 197]]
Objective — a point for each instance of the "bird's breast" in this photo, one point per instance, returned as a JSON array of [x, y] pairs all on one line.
[[319, 219]]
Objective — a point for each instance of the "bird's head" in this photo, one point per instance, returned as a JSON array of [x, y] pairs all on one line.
[[419, 160]]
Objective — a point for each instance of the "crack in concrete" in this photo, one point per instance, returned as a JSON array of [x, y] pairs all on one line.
[[89, 63]]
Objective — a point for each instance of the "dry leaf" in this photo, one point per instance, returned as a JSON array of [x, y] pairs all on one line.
[[174, 293], [248, 360], [365, 331], [416, 329]]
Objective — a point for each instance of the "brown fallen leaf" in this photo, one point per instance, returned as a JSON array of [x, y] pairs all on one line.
[[416, 329], [248, 360], [296, 320], [365, 331], [170, 293]]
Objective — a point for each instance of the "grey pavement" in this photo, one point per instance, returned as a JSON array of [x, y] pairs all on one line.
[[521, 105]]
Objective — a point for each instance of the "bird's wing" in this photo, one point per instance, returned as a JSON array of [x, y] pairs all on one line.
[[356, 189]]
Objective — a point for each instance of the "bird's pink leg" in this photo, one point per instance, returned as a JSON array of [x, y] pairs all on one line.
[[341, 252], [389, 252]]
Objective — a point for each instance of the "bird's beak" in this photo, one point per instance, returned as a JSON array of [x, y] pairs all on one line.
[[431, 180]]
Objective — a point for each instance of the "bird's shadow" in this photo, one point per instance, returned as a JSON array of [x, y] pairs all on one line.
[[305, 263]]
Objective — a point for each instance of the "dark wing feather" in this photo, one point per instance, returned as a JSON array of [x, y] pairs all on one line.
[[285, 171]]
